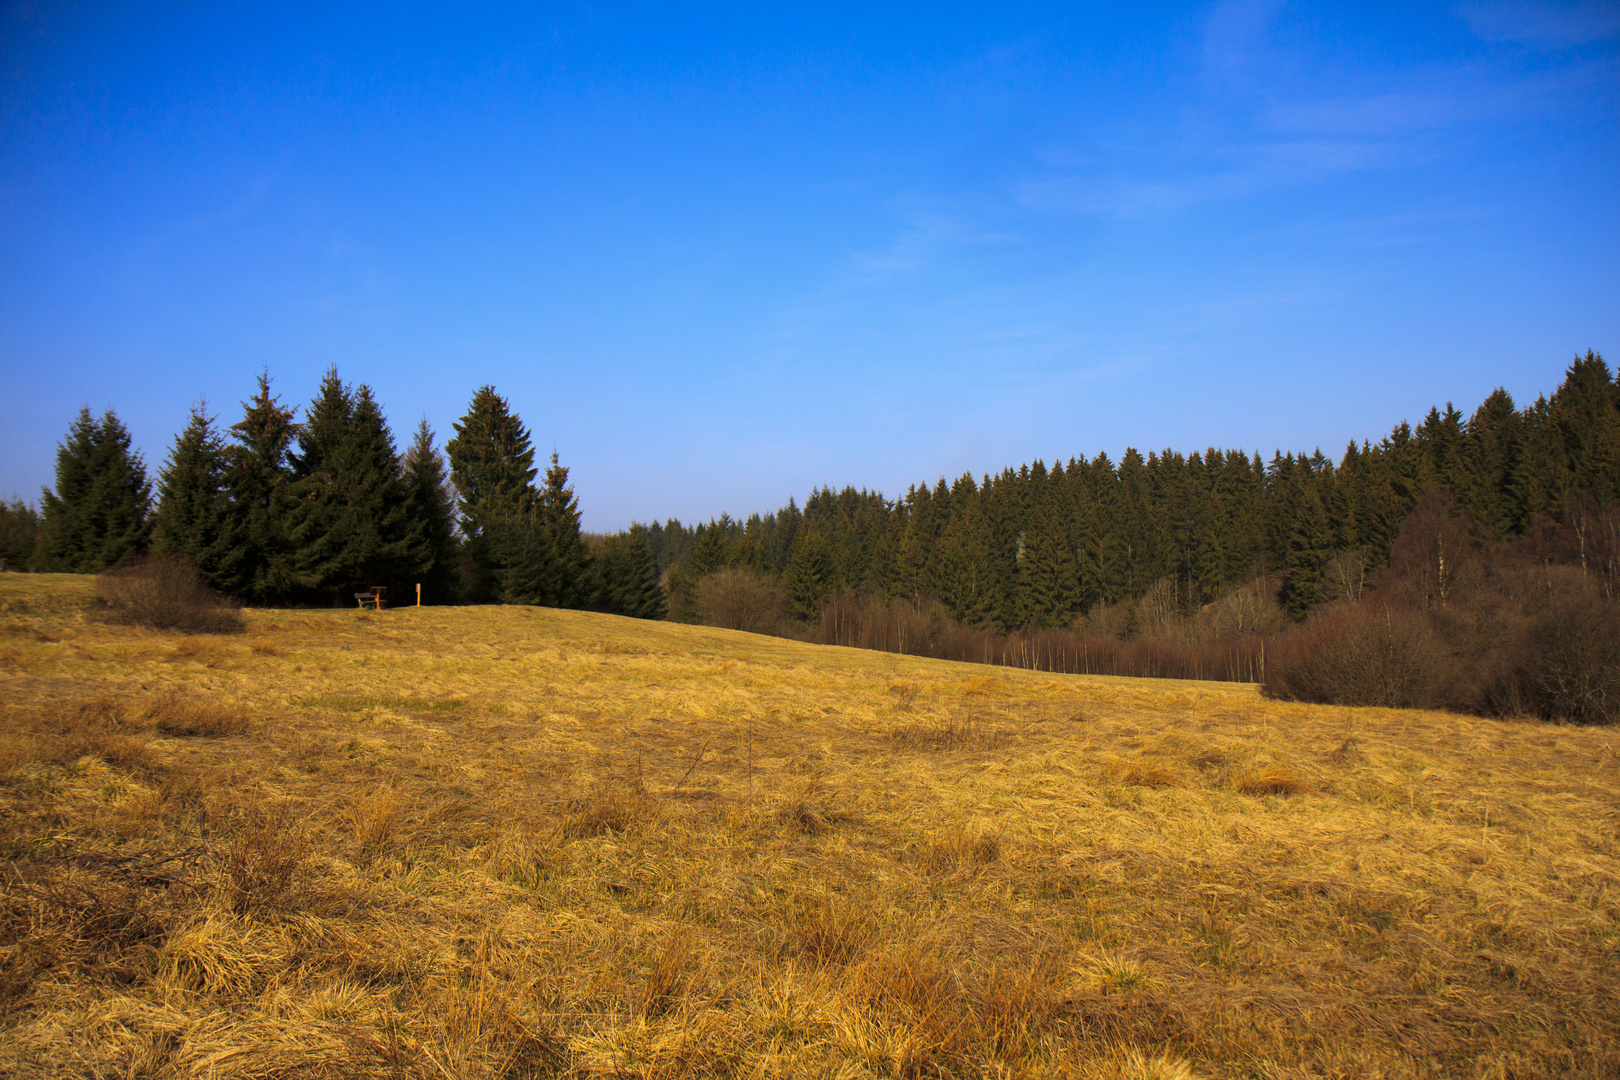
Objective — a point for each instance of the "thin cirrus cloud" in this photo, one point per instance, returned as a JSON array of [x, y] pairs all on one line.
[[1544, 26], [1259, 127]]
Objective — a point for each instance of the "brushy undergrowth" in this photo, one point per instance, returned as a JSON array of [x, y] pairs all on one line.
[[164, 592], [645, 850]]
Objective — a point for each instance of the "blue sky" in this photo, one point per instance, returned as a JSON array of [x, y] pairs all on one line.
[[717, 257]]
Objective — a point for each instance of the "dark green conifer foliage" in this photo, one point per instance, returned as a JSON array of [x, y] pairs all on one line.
[[1049, 569], [563, 573], [626, 577], [259, 475], [19, 534], [430, 504], [492, 469], [195, 519], [520, 552], [962, 574], [491, 461], [1102, 546], [1495, 443], [1211, 521], [808, 574], [709, 548], [1586, 428], [1310, 545], [98, 516], [346, 507]]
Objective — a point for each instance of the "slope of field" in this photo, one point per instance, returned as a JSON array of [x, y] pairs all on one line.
[[519, 842]]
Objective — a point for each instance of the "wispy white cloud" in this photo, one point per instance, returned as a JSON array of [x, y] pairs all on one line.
[[1274, 115], [1543, 25], [1237, 35]]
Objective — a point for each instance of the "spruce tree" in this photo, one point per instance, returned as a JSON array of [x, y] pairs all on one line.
[[518, 546], [1048, 569], [568, 557], [19, 533], [624, 577], [98, 516], [709, 550], [808, 575], [259, 475], [1101, 551], [492, 470], [430, 503], [1494, 445], [491, 460], [962, 576], [1309, 548], [346, 514], [195, 519], [1586, 426]]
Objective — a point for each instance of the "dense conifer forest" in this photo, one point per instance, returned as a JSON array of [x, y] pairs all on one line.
[[1167, 563], [1039, 545]]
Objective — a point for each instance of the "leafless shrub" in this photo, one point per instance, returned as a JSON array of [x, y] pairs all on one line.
[[1344, 578], [1570, 660], [1347, 753], [1246, 610], [1158, 611], [262, 868], [165, 592], [1365, 655], [739, 599]]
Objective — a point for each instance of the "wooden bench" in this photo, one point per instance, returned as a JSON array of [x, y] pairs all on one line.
[[372, 598]]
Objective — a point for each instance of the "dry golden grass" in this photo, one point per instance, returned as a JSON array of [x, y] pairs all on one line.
[[512, 842]]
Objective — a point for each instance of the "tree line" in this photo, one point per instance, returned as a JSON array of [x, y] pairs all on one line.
[[282, 509], [1126, 545], [278, 509]]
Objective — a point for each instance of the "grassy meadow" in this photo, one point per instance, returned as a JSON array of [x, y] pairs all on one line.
[[515, 842]]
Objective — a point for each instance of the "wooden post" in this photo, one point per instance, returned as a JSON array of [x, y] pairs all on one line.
[[418, 594]]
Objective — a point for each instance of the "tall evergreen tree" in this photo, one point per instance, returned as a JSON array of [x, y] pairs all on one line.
[[569, 558], [962, 576], [1586, 424], [98, 516], [258, 479], [809, 577], [346, 507], [195, 519], [519, 545], [1048, 568], [492, 470], [430, 503], [1310, 544]]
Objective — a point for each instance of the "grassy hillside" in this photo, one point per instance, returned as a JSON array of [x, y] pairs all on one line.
[[521, 842]]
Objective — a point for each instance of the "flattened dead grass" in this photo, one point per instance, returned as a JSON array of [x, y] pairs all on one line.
[[521, 843]]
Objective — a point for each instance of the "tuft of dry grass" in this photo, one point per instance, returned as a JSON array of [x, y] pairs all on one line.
[[608, 809], [1140, 775], [1270, 781], [948, 733], [556, 844], [958, 848], [188, 716]]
